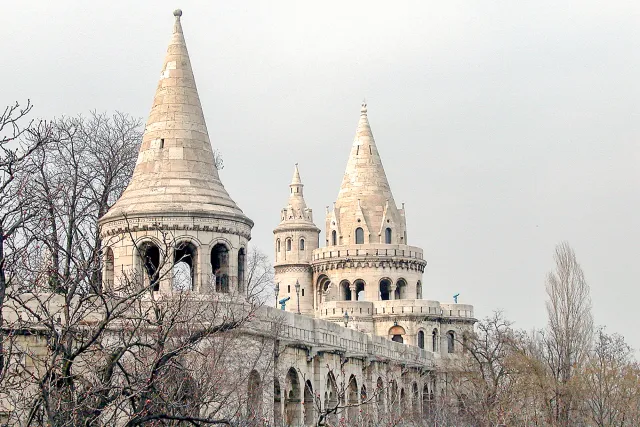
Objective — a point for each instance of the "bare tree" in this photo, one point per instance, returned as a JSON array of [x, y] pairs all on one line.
[[19, 139], [485, 384], [78, 179], [612, 382], [127, 355], [259, 276], [569, 333]]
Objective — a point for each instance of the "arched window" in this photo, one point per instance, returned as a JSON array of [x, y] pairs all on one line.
[[109, 267], [384, 289], [352, 399], [401, 289], [302, 244], [334, 237], [396, 332], [434, 340], [359, 290], [278, 245], [346, 290], [288, 244], [184, 255], [241, 267], [359, 236], [419, 290], [421, 339], [387, 235], [292, 402], [254, 401], [150, 255], [450, 342], [220, 267]]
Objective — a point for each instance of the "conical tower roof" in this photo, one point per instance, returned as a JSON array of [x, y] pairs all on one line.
[[296, 213], [175, 172], [365, 186]]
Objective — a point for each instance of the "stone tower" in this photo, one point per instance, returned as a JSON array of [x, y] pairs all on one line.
[[175, 226], [367, 265], [296, 237]]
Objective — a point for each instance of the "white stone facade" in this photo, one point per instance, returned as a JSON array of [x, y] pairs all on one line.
[[176, 205]]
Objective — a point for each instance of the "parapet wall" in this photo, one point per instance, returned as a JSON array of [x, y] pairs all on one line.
[[368, 250], [416, 307], [321, 335]]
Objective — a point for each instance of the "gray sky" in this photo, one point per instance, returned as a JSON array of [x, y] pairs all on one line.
[[505, 127]]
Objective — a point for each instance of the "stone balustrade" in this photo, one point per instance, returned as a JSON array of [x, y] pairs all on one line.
[[333, 309], [367, 251], [322, 335]]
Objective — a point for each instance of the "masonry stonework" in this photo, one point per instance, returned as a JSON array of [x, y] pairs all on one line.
[[357, 319]]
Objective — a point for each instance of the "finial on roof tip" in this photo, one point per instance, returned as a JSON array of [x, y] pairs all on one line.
[[363, 110], [177, 13]]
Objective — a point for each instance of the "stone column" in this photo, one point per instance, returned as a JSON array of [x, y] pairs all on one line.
[[352, 288], [392, 292]]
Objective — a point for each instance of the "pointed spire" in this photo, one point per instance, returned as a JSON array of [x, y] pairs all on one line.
[[296, 210], [296, 176], [365, 184], [176, 171]]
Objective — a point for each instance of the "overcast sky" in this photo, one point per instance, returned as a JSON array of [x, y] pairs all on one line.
[[505, 127]]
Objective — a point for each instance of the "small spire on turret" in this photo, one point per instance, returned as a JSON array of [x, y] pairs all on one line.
[[296, 176], [363, 110]]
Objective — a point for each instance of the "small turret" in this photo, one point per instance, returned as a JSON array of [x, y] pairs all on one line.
[[296, 237]]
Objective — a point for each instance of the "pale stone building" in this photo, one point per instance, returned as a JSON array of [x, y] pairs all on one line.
[[366, 268], [392, 341]]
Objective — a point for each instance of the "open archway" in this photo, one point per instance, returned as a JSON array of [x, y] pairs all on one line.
[[352, 400], [401, 289], [360, 294], [150, 258], [109, 268], [184, 266], [385, 289], [220, 267], [292, 402], [345, 289]]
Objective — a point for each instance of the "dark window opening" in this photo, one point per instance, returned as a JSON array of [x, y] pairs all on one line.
[[384, 290], [421, 339], [450, 342], [220, 267], [387, 235], [151, 263], [302, 244], [359, 236], [241, 268]]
